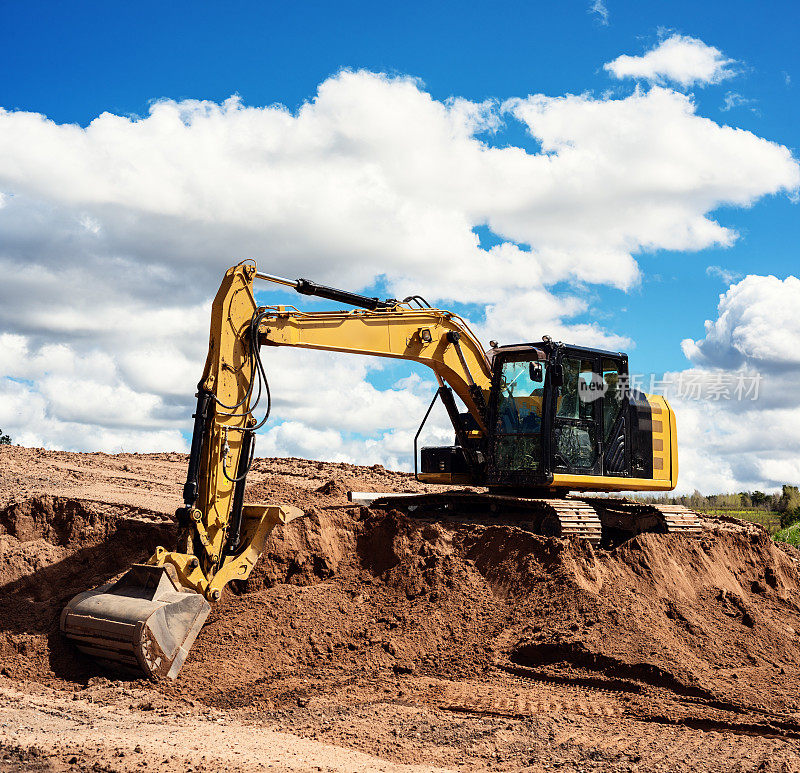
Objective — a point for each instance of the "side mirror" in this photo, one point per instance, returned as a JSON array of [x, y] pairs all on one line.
[[535, 371]]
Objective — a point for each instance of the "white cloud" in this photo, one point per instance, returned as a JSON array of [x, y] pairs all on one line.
[[736, 442], [27, 415], [734, 99], [343, 399], [115, 236], [530, 316], [678, 59], [728, 277], [727, 447], [757, 324], [600, 10]]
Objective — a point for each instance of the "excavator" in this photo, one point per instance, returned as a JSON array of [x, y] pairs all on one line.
[[546, 430]]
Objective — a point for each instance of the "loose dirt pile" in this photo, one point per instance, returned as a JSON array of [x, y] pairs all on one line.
[[348, 606], [50, 549], [345, 591]]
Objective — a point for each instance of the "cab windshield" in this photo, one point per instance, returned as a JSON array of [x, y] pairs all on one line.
[[520, 403], [520, 398]]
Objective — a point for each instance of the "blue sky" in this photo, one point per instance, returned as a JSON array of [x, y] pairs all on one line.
[[74, 62]]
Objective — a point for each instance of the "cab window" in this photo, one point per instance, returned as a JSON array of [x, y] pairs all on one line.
[[574, 429], [520, 398], [579, 391], [612, 396]]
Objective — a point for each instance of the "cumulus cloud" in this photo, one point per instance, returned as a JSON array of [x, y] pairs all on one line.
[[723, 450], [678, 59], [727, 447], [115, 236], [27, 414], [548, 314], [644, 171], [743, 439], [757, 324]]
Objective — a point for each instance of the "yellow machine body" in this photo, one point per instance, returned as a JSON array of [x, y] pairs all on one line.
[[398, 333], [149, 618]]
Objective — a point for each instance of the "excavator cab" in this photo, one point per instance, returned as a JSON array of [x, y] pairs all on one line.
[[561, 417]]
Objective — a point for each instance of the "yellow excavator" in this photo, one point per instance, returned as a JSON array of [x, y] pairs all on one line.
[[542, 420]]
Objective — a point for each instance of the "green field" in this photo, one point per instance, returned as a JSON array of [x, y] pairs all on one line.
[[790, 534], [769, 519]]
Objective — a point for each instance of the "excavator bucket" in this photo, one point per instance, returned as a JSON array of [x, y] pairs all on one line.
[[145, 621]]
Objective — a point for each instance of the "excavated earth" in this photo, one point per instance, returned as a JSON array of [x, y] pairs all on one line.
[[366, 640]]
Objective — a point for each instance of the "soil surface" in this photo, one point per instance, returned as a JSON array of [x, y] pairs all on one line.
[[366, 640]]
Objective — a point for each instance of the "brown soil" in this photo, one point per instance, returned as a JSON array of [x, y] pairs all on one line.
[[450, 643]]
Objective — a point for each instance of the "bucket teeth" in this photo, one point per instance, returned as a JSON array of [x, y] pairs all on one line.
[[145, 621]]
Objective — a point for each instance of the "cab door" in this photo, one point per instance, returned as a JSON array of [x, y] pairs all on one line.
[[615, 435], [517, 409], [576, 436]]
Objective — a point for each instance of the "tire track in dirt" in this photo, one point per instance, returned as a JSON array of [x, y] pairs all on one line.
[[675, 746], [480, 699], [771, 723], [649, 707], [683, 749]]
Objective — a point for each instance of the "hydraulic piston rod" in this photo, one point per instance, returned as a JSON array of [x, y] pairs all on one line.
[[306, 287]]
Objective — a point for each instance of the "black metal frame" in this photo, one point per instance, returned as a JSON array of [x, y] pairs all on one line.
[[495, 476], [633, 422], [556, 352], [191, 489], [473, 456]]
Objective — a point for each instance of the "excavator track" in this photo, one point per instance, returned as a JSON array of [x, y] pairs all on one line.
[[633, 517], [551, 517], [577, 518], [589, 518], [678, 518]]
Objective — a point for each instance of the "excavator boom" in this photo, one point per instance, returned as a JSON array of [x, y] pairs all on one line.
[[148, 619], [435, 338]]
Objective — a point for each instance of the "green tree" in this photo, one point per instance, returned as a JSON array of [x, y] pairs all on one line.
[[5, 440], [789, 499], [758, 498], [789, 505], [698, 500]]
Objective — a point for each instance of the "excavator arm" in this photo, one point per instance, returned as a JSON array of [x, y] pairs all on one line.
[[439, 339], [149, 618]]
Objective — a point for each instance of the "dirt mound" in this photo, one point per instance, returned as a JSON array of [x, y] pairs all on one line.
[[367, 593], [675, 611], [453, 643], [337, 487], [50, 549], [306, 551], [57, 520], [374, 592], [347, 591]]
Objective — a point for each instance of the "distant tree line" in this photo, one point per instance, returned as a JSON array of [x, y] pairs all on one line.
[[787, 503]]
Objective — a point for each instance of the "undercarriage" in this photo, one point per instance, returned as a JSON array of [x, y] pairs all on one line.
[[598, 520]]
